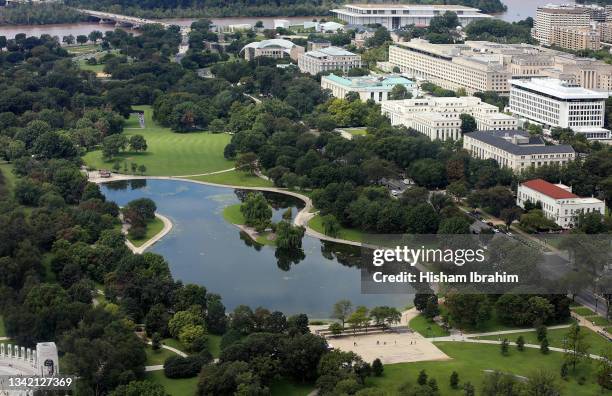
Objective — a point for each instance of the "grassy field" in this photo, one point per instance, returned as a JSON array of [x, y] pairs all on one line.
[[214, 345], [555, 338], [154, 227], [9, 176], [583, 311], [232, 214], [345, 233], [420, 324], [234, 178], [171, 342], [99, 68], [169, 153], [470, 361], [157, 357], [2, 329], [284, 387], [174, 387], [357, 131]]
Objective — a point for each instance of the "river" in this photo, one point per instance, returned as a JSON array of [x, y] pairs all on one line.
[[203, 248], [85, 28], [517, 10]]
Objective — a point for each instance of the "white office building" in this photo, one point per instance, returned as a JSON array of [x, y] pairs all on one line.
[[394, 16], [327, 59], [554, 103], [439, 118], [376, 88], [559, 203], [516, 149]]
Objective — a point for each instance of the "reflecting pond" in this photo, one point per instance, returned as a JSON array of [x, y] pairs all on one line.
[[203, 248]]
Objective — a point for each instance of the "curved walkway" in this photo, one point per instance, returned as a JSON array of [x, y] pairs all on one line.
[[302, 218], [140, 249], [159, 367]]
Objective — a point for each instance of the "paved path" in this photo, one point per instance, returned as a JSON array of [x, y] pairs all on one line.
[[141, 249], [302, 218], [159, 367], [209, 173]]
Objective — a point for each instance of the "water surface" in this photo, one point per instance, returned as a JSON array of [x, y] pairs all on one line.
[[203, 248]]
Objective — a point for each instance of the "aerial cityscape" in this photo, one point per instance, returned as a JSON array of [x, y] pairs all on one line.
[[301, 198]]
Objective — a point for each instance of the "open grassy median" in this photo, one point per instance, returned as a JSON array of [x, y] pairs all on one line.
[[157, 357], [234, 178], [424, 327], [555, 338], [174, 387], [471, 360], [169, 153], [349, 234], [154, 227]]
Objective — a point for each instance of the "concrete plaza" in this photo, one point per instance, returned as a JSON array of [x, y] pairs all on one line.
[[389, 347]]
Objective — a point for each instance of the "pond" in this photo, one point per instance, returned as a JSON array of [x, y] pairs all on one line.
[[203, 248]]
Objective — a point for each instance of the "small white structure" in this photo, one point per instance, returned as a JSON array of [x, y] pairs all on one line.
[[554, 103], [327, 59], [281, 23], [16, 360], [376, 88], [273, 48], [516, 149], [439, 118], [324, 26], [558, 202]]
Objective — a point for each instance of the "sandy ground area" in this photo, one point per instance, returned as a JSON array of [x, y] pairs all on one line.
[[390, 347]]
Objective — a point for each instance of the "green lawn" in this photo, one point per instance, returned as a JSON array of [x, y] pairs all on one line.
[[598, 320], [154, 227], [234, 178], [9, 177], [420, 325], [284, 387], [214, 345], [171, 342], [583, 311], [345, 233], [555, 338], [2, 328], [99, 68], [470, 361], [170, 153], [232, 214], [174, 387], [357, 131], [157, 357]]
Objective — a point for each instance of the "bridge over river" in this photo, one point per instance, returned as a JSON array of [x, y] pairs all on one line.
[[129, 21]]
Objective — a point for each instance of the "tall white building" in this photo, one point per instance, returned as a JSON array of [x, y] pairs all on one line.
[[554, 103], [516, 149], [326, 59], [439, 118], [551, 16], [394, 16], [558, 202]]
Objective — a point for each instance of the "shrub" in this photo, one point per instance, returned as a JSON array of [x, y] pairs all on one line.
[[182, 367], [137, 232], [377, 367]]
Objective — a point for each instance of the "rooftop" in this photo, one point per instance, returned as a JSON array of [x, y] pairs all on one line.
[[412, 6], [533, 145], [370, 81], [279, 43], [329, 51], [549, 189], [558, 89]]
